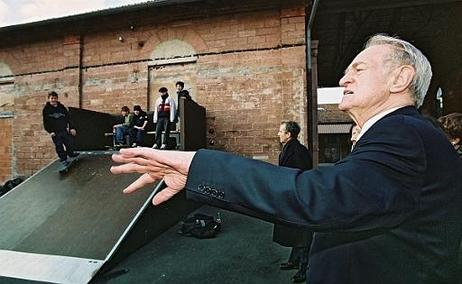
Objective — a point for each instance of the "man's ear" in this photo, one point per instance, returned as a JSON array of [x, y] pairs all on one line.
[[402, 78]]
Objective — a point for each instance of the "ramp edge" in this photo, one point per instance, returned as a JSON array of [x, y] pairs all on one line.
[[48, 268], [160, 185]]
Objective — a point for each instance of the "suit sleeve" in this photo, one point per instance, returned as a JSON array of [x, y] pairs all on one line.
[[377, 186]]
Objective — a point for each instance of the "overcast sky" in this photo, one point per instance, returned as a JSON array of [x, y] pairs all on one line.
[[14, 12]]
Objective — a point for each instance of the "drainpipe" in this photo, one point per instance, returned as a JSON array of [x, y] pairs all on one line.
[[80, 86], [311, 89]]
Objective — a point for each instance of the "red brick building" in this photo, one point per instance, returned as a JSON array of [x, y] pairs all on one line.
[[245, 63]]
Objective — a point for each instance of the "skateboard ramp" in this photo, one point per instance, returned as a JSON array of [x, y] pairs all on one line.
[[64, 228]]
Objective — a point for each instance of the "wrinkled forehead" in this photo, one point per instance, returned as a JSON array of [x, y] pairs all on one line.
[[375, 54]]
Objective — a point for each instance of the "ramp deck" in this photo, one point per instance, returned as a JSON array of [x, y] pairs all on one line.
[[63, 228]]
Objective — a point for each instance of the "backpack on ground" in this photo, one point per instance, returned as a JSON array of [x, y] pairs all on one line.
[[200, 226]]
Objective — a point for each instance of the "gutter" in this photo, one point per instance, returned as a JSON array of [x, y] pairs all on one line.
[[311, 93]]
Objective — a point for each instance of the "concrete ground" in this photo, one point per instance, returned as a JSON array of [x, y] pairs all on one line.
[[243, 252]]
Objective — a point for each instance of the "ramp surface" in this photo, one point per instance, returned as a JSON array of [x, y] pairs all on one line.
[[68, 223]]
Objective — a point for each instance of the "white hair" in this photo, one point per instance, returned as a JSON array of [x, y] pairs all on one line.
[[407, 54]]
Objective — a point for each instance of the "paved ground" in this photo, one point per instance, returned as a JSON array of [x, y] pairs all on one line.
[[242, 253]]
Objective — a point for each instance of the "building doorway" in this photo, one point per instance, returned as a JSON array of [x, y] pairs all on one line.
[[167, 75]]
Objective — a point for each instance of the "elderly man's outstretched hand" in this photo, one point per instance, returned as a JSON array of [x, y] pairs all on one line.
[[172, 166]]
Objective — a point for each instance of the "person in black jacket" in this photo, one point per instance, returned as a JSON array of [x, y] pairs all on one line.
[[181, 93], [294, 155], [56, 122], [140, 120]]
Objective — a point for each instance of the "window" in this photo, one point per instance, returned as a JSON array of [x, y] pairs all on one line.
[[333, 147]]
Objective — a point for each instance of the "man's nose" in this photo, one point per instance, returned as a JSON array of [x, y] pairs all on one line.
[[346, 79]]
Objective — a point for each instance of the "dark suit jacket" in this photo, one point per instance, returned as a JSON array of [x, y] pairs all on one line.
[[293, 155], [390, 212]]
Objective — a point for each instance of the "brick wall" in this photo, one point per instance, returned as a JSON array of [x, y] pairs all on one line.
[[5, 149], [250, 75]]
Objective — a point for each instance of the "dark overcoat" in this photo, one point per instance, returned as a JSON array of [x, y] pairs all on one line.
[[293, 155]]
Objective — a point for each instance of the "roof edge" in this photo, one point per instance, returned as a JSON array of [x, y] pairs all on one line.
[[97, 13]]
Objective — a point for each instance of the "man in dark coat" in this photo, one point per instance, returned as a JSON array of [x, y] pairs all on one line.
[[387, 213], [294, 155], [56, 122], [181, 94]]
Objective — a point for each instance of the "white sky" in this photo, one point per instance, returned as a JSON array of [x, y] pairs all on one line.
[[330, 95], [13, 12]]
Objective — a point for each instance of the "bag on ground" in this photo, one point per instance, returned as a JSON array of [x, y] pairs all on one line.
[[200, 226]]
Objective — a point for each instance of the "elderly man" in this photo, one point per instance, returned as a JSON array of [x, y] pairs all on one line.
[[388, 213]]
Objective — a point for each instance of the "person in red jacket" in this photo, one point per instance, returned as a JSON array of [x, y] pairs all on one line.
[[164, 114]]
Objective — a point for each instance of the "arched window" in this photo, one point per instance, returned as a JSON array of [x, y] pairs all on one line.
[[173, 51], [6, 76]]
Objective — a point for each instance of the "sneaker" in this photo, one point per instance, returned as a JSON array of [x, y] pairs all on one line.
[[65, 163], [133, 145], [163, 147], [155, 146]]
